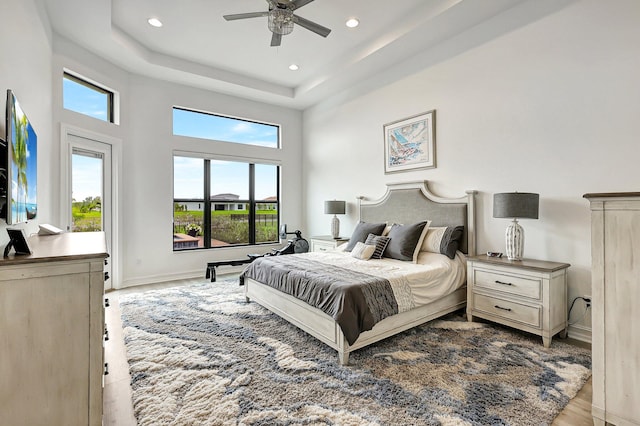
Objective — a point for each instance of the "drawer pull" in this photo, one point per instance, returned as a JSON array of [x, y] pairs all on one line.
[[106, 276], [106, 302], [504, 309], [106, 333], [106, 368], [503, 283]]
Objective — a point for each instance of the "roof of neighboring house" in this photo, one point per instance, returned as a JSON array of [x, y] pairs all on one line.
[[225, 197]]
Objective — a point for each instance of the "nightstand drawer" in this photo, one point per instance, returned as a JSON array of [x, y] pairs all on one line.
[[326, 243], [323, 246], [525, 314], [512, 284]]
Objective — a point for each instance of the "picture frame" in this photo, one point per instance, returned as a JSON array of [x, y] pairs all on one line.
[[410, 143], [17, 241]]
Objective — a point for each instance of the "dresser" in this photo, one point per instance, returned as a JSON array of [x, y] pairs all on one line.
[[615, 318], [530, 295], [326, 242], [51, 331]]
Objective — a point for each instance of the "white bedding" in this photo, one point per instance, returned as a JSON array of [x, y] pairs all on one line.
[[413, 284]]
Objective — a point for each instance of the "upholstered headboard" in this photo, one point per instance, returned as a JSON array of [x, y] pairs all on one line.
[[412, 202]]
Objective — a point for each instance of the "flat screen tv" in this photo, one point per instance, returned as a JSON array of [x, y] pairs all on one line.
[[19, 164]]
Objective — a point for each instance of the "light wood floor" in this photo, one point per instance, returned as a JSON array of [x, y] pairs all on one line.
[[118, 409]]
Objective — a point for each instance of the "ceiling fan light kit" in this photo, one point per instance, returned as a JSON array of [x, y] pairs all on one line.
[[281, 19]]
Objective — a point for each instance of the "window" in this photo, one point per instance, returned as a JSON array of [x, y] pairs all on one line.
[[221, 203], [226, 129], [87, 98]]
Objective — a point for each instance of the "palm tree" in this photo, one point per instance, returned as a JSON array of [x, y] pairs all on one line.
[[19, 153]]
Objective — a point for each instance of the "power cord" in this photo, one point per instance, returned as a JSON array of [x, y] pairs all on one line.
[[587, 302]]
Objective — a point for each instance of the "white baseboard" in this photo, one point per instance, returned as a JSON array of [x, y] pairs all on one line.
[[162, 278], [580, 332]]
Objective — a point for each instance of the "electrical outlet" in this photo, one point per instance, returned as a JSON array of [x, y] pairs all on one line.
[[587, 299]]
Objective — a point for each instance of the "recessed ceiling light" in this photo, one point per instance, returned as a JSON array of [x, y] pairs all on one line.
[[154, 22], [352, 23], [294, 67]]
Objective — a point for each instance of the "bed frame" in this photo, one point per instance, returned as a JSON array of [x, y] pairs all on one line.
[[402, 203]]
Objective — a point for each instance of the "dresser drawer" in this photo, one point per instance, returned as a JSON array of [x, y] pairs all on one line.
[[525, 314], [512, 284]]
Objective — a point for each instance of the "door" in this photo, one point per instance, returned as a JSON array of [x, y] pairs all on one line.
[[89, 199]]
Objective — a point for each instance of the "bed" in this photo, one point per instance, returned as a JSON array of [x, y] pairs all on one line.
[[403, 203]]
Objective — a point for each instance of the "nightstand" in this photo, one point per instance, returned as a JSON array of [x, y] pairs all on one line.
[[530, 295], [326, 242]]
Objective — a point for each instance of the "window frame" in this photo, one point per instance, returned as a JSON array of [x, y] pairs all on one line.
[[111, 95], [230, 117], [209, 203]]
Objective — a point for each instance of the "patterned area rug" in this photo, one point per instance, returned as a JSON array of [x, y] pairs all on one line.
[[201, 355]]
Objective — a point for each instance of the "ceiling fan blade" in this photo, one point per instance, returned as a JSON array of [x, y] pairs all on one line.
[[297, 4], [311, 26], [276, 39], [245, 15]]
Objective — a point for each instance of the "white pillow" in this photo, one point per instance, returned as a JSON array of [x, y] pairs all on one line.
[[423, 236], [363, 251], [433, 238]]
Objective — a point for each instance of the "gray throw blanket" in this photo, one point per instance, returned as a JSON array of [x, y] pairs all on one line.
[[356, 301]]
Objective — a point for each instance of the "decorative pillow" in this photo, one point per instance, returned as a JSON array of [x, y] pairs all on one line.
[[444, 240], [363, 229], [405, 241], [363, 251], [380, 242]]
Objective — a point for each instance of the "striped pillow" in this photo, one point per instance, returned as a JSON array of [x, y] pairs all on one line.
[[444, 240], [380, 242], [362, 251]]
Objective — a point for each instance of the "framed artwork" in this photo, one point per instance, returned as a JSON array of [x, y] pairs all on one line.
[[410, 143]]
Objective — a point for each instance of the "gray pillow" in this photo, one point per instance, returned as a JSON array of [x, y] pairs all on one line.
[[363, 229], [403, 240]]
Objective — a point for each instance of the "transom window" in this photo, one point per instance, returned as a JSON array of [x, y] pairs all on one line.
[[221, 203], [226, 129], [87, 98]]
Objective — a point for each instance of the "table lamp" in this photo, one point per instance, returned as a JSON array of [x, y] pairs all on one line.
[[516, 205], [334, 207]]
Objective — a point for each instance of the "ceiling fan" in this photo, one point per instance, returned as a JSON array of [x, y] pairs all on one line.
[[281, 19]]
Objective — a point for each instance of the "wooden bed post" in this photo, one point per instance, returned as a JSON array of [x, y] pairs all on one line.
[[471, 221]]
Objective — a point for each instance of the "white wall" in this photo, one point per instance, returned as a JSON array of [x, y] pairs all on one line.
[[550, 108], [25, 68]]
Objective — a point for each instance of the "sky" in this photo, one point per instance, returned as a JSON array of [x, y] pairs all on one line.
[[86, 177], [226, 177], [84, 100]]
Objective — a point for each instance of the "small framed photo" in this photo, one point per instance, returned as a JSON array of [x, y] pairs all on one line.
[[410, 143], [17, 240]]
